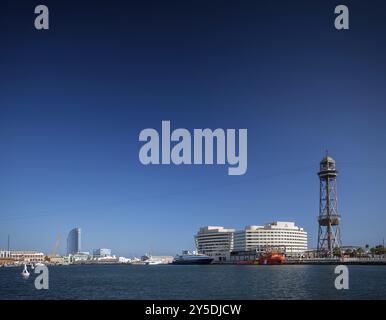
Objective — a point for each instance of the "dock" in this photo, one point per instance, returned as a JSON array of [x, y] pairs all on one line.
[[336, 261]]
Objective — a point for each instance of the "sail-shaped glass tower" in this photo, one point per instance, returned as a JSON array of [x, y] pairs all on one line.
[[74, 241]]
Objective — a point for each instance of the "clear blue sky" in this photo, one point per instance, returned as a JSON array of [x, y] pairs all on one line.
[[74, 99]]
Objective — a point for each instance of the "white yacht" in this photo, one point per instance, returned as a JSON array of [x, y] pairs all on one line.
[[153, 262], [193, 257]]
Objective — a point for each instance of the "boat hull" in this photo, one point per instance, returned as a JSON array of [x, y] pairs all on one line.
[[193, 262], [272, 258], [247, 262], [271, 261]]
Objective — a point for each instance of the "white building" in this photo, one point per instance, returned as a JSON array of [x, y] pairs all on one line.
[[123, 260], [79, 257], [24, 256], [101, 253], [285, 236], [5, 254], [216, 242]]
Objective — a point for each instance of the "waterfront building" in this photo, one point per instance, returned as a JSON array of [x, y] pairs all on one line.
[[162, 259], [56, 260], [101, 253], [74, 241], [283, 236], [79, 257], [27, 256], [5, 254], [21, 256], [5, 257], [215, 241], [66, 260], [123, 260], [157, 259], [106, 259]]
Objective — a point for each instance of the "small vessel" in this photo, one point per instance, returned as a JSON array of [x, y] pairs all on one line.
[[153, 262], [271, 257], [150, 260], [137, 262], [25, 273], [188, 257]]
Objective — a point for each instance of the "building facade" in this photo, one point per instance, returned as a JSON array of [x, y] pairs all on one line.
[[27, 256], [74, 241], [279, 235], [214, 241], [21, 256], [79, 257], [219, 242], [101, 253], [5, 254], [5, 257]]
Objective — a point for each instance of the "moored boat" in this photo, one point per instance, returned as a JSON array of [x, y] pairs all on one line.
[[271, 257], [188, 257]]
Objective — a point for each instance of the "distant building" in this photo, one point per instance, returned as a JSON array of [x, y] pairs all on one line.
[[219, 242], [162, 259], [27, 256], [157, 259], [5, 254], [79, 257], [284, 236], [101, 253], [21, 256], [57, 260], [216, 242], [108, 259], [123, 260], [5, 257], [74, 241]]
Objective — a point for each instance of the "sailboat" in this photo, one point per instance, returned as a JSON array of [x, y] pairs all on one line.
[[25, 273]]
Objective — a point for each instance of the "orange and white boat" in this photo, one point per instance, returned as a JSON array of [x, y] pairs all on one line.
[[272, 257]]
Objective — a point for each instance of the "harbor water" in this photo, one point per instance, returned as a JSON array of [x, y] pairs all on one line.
[[195, 282]]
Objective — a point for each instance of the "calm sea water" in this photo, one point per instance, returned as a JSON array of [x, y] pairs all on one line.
[[195, 282]]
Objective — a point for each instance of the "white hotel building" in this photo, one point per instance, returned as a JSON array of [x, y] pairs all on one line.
[[285, 236], [218, 242]]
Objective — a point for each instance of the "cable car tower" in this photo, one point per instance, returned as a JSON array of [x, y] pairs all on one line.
[[329, 218]]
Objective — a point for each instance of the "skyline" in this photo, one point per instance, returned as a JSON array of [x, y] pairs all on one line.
[[73, 100]]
